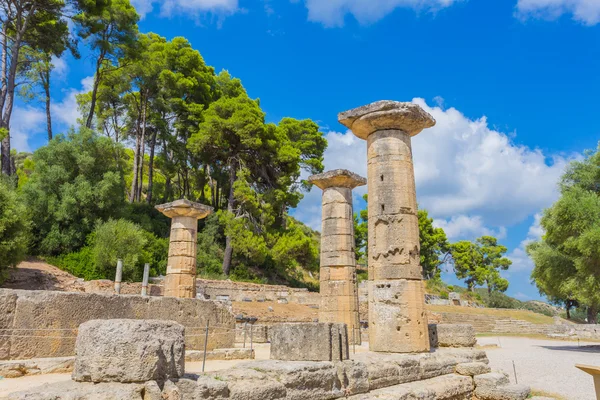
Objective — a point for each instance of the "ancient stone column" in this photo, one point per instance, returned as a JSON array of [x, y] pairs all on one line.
[[181, 267], [397, 318], [339, 290]]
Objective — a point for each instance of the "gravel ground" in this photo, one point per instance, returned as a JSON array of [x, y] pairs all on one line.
[[547, 365]]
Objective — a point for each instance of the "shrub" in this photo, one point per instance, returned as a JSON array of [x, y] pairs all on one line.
[[444, 294], [119, 239], [81, 264], [14, 228]]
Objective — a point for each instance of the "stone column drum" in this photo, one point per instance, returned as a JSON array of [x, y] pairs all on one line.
[[397, 318], [181, 267], [339, 290]]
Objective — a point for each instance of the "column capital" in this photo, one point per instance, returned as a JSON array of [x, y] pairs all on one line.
[[337, 178], [386, 114], [184, 208]]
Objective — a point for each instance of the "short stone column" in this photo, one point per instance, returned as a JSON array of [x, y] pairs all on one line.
[[339, 290], [397, 318], [181, 267]]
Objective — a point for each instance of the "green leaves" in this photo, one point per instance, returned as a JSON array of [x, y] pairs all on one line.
[[567, 259], [14, 227]]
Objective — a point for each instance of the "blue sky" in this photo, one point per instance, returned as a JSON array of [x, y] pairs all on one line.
[[512, 83]]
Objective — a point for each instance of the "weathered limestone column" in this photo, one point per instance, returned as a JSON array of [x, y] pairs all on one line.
[[339, 290], [397, 318], [181, 268]]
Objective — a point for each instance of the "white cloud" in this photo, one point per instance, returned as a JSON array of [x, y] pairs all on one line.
[[24, 124], [472, 179], [584, 11], [60, 67], [332, 12], [66, 112], [187, 7], [466, 227], [519, 257]]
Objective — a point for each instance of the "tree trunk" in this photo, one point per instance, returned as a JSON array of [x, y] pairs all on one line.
[[568, 308], [489, 288], [592, 314], [142, 153], [90, 117], [151, 168], [5, 153], [136, 156], [230, 205], [48, 116]]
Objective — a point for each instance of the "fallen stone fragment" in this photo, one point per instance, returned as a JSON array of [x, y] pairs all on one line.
[[452, 335], [152, 391], [472, 368], [491, 379], [120, 350], [509, 392], [309, 342], [171, 392]]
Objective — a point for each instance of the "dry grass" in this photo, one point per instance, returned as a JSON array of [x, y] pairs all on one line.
[[498, 313], [542, 393]]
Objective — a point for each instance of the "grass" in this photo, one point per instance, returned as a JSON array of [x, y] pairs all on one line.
[[537, 336], [499, 313], [543, 393]]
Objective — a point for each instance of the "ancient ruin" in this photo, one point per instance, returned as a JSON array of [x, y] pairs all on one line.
[[397, 319], [181, 268], [338, 290]]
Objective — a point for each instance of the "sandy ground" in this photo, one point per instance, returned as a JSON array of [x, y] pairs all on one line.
[[546, 365]]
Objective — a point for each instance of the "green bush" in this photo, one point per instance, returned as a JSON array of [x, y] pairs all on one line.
[[209, 251], [14, 228], [119, 239], [444, 294], [82, 264]]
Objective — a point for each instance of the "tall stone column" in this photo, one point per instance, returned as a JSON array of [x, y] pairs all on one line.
[[339, 290], [397, 318], [181, 267]]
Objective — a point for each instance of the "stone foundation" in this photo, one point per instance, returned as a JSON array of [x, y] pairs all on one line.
[[39, 324], [309, 342]]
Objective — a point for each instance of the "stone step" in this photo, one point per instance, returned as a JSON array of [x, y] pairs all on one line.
[[508, 392], [445, 387]]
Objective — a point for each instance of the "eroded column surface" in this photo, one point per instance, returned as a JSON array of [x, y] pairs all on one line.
[[339, 290], [397, 318], [181, 267]]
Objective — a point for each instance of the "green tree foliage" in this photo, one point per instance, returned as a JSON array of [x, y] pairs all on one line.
[[480, 263], [118, 239], [77, 181], [14, 230], [567, 259], [433, 242]]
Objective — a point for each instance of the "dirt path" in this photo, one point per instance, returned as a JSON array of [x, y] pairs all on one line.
[[35, 274]]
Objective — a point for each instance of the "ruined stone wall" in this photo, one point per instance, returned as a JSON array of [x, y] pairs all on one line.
[[242, 291], [36, 324]]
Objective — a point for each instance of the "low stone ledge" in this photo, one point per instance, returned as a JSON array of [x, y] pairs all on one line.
[[220, 354], [82, 390], [451, 335], [472, 368], [509, 392], [36, 366]]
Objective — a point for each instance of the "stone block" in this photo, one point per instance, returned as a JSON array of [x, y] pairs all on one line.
[[338, 273], [335, 195], [181, 264], [452, 335], [472, 368], [129, 351], [491, 379], [182, 235], [180, 285], [337, 258], [354, 376], [82, 391], [221, 354], [508, 392], [152, 391], [336, 226], [338, 210], [336, 242], [397, 318], [309, 342]]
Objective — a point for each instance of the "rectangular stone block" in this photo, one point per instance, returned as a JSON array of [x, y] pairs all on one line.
[[187, 249], [180, 285], [339, 304], [337, 258], [183, 235], [338, 273], [337, 195], [309, 342], [337, 243], [336, 226], [184, 223], [397, 317], [181, 265], [452, 335], [337, 210], [338, 288], [395, 194]]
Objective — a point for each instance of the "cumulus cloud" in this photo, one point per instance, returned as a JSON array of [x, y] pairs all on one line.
[[473, 180], [519, 257], [584, 11], [186, 7], [332, 12], [24, 124], [65, 113]]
